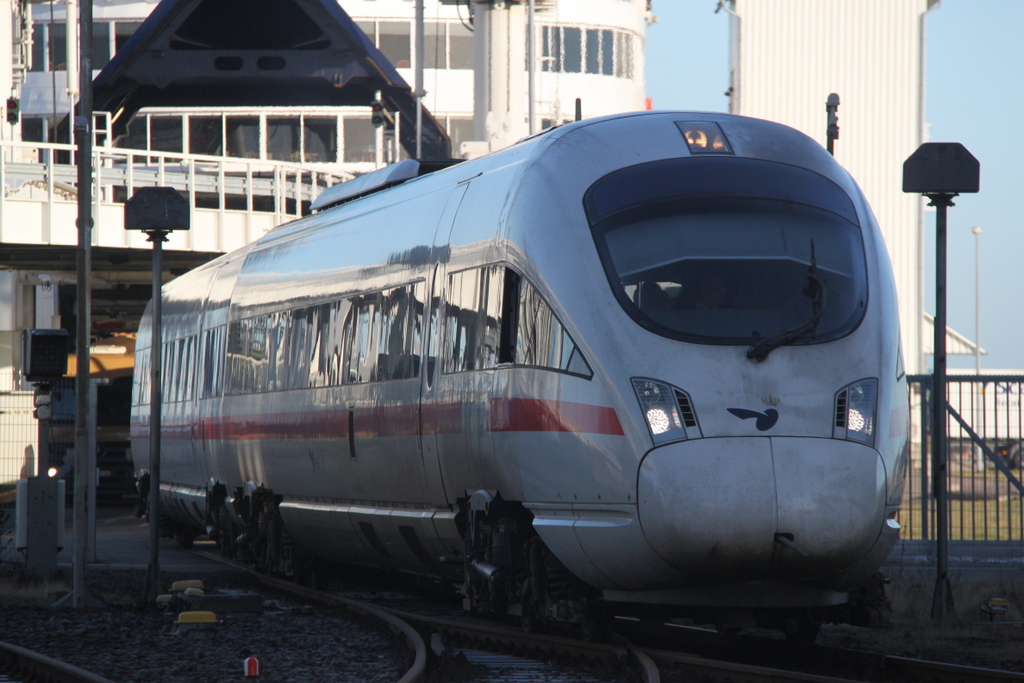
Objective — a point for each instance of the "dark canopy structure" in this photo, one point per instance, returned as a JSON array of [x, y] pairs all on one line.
[[213, 53]]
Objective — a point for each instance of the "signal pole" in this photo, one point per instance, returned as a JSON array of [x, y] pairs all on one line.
[[155, 211], [941, 171], [83, 140]]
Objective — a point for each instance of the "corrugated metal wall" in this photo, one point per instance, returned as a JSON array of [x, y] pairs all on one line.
[[792, 53]]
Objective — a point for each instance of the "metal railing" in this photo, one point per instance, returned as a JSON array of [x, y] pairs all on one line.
[[266, 192], [984, 424]]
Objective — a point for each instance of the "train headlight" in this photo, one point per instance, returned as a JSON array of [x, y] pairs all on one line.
[[661, 410], [704, 137], [856, 408]]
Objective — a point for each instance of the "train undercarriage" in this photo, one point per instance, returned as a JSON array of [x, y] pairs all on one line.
[[507, 570]]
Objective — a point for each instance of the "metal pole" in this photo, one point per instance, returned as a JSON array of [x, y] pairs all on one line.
[[977, 299], [942, 601], [83, 140], [419, 79], [43, 430], [157, 237], [832, 129], [979, 392], [531, 62]]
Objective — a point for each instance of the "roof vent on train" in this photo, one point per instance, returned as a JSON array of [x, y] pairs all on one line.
[[382, 179]]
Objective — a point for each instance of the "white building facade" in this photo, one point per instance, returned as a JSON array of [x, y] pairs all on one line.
[[587, 49], [787, 56]]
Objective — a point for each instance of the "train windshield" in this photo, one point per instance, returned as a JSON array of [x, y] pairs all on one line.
[[732, 260]]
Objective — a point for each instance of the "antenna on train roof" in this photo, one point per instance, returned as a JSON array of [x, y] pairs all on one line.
[[579, 109], [832, 132]]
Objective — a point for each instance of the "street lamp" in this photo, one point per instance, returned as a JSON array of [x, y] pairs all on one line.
[[979, 399], [977, 300]]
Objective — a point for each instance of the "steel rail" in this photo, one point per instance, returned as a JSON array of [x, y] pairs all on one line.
[[33, 666], [717, 670], [416, 672], [873, 665], [474, 631]]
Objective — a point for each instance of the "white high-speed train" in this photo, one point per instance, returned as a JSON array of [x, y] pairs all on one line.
[[644, 362]]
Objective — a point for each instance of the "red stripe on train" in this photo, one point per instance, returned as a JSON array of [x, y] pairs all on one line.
[[504, 415], [538, 415]]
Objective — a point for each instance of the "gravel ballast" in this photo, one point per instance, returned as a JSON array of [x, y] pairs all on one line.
[[126, 643]]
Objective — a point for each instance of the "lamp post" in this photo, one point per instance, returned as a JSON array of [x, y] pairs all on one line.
[[979, 455], [977, 299], [941, 171], [155, 211]]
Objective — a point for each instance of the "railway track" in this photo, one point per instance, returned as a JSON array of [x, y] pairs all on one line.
[[18, 664], [704, 650], [654, 651]]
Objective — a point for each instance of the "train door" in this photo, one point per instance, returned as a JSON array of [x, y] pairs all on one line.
[[466, 334], [433, 415]]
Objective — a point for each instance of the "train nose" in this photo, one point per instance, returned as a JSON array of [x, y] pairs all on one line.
[[762, 508]]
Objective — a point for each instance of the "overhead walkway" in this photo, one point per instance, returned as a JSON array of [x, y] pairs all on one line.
[[232, 201]]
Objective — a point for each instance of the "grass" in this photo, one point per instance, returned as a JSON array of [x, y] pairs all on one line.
[[969, 520], [31, 593], [969, 638]]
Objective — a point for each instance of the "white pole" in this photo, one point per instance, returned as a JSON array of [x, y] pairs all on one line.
[[977, 300], [979, 455], [71, 46], [531, 62], [419, 80]]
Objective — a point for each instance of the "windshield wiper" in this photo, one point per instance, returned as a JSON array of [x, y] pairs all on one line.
[[817, 291]]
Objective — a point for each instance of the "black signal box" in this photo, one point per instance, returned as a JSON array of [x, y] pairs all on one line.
[[156, 208], [45, 354], [941, 168]]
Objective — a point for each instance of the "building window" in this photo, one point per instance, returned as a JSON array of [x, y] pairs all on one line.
[[100, 45], [135, 136], [123, 30], [205, 135], [593, 51], [243, 136], [459, 130], [360, 139], [435, 46], [396, 42], [370, 29], [38, 47], [572, 50], [320, 138], [58, 47], [165, 134], [460, 40], [283, 138]]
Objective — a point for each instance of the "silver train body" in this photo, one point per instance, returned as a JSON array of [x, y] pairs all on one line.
[[527, 351]]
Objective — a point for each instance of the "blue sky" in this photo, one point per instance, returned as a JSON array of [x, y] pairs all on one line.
[[975, 95]]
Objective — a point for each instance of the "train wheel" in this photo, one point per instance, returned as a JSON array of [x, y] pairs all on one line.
[[597, 628], [187, 537], [802, 628]]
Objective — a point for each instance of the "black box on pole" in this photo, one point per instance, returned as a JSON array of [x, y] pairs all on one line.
[[156, 208], [45, 355], [941, 168]]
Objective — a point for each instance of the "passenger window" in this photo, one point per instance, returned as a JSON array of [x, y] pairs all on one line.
[[472, 315], [541, 340]]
